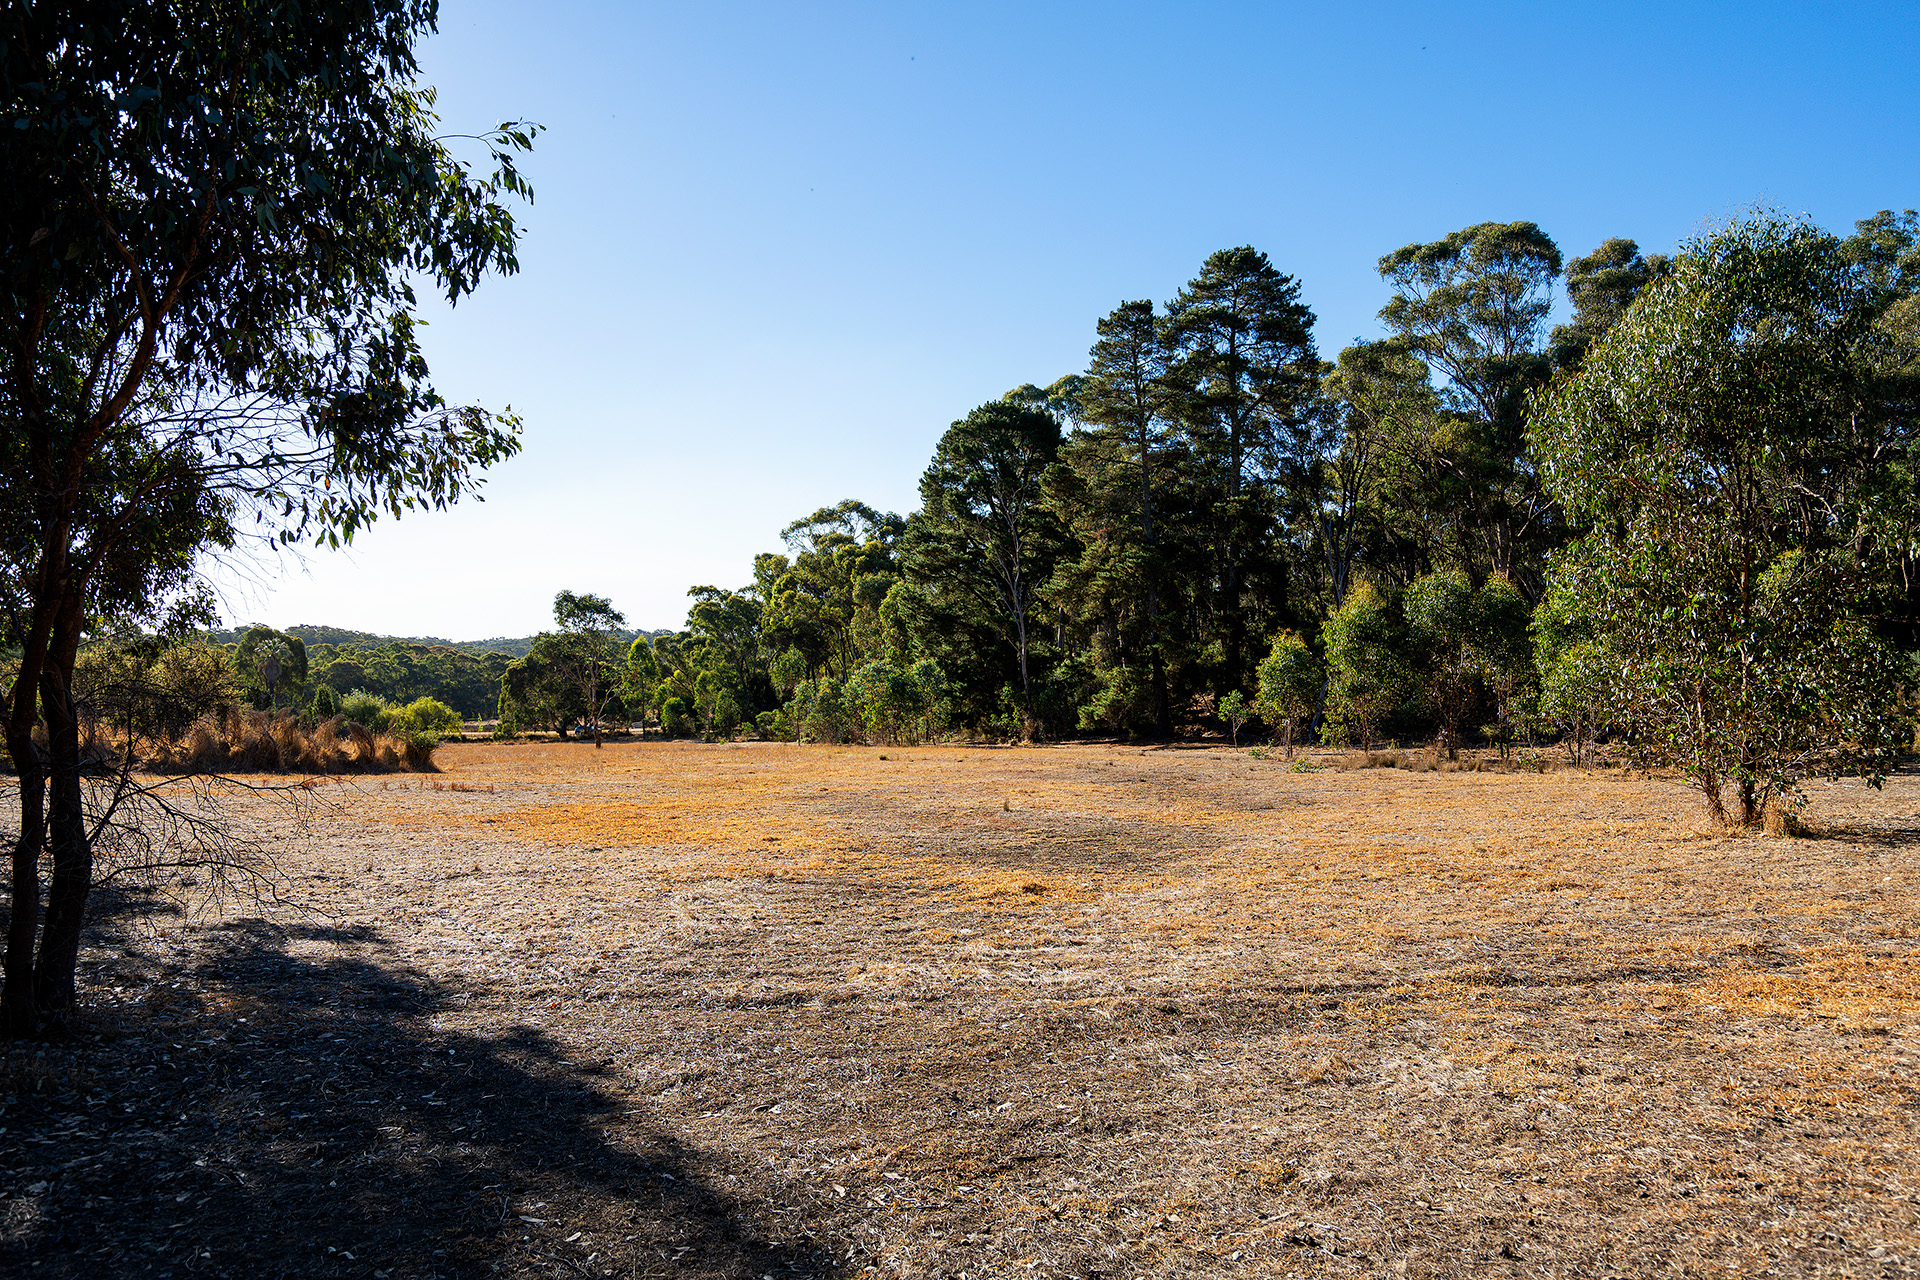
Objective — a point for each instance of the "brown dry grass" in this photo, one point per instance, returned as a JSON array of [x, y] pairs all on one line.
[[1096, 1011], [241, 741]]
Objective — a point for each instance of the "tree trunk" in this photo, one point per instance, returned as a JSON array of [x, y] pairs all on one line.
[[16, 996], [1710, 784], [1026, 683], [72, 852]]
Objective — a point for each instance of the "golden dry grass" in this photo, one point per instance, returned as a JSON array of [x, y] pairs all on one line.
[[241, 741], [1092, 1010]]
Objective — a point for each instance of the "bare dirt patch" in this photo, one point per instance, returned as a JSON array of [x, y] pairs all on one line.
[[1076, 1011]]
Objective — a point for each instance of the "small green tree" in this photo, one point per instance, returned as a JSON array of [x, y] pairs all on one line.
[[368, 709], [1575, 671], [726, 713], [1234, 710], [819, 712], [1469, 644], [933, 706], [324, 704], [428, 716], [593, 624], [1502, 654], [1290, 682], [1442, 624], [640, 678], [887, 701], [675, 719], [1368, 672]]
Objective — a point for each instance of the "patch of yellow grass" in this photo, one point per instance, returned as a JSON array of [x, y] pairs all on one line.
[[1858, 989]]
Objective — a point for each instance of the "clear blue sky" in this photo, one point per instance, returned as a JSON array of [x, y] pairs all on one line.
[[777, 248]]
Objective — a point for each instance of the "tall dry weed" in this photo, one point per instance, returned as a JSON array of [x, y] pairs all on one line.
[[264, 742]]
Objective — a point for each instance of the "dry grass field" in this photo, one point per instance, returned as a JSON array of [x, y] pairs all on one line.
[[1082, 1011]]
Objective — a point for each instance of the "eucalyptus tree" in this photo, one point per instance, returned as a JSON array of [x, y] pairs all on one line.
[[730, 624], [1740, 447], [212, 227], [824, 603], [1373, 497], [593, 626], [543, 689], [1474, 306], [1601, 286]]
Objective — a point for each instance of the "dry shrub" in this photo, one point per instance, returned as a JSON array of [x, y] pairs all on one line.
[[263, 742], [364, 752], [324, 745], [204, 747], [386, 753], [416, 752], [293, 745]]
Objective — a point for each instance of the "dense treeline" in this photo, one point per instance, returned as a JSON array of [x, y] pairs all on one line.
[[1212, 523], [1684, 520]]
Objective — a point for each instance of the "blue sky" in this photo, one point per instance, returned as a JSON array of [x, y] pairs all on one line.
[[777, 248]]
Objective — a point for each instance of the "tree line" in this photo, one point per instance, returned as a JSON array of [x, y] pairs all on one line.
[[1683, 519]]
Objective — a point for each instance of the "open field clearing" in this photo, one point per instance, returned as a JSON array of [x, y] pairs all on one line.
[[1076, 1011]]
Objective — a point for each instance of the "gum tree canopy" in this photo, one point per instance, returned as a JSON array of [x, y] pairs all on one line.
[[1740, 449], [212, 223]]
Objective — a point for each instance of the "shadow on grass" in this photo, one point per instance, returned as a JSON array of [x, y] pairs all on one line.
[[256, 1106]]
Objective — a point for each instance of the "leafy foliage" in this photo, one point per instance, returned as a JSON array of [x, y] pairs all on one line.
[[1290, 682], [1740, 447], [1368, 675]]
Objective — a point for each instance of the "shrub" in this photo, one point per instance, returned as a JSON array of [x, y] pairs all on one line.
[[1366, 660], [246, 741], [369, 709], [675, 719], [427, 716], [1290, 679]]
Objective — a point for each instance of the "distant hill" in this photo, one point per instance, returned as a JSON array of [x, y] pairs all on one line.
[[515, 646]]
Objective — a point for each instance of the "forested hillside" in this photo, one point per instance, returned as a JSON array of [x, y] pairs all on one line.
[[342, 637]]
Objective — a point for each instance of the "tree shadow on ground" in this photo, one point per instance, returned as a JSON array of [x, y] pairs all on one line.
[[253, 1105]]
